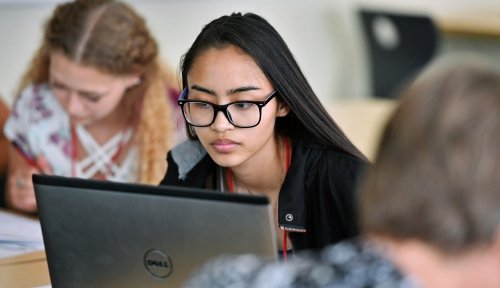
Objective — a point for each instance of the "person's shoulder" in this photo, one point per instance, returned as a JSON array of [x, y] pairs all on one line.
[[34, 90], [347, 264], [188, 148], [358, 264], [38, 101], [187, 155]]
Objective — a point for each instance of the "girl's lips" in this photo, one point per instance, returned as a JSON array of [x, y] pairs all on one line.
[[224, 146]]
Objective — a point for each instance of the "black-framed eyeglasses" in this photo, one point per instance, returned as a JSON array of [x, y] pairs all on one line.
[[242, 114]]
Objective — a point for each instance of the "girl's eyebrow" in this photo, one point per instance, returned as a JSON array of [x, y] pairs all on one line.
[[229, 92], [99, 94], [242, 89], [203, 89], [53, 80]]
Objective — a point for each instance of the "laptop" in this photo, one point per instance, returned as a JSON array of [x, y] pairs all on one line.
[[109, 234]]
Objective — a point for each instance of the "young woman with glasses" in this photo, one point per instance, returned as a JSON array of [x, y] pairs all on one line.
[[257, 127], [429, 206]]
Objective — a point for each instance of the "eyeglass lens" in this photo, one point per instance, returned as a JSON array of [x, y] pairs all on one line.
[[242, 114]]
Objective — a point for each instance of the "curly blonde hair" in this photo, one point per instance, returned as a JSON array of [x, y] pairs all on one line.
[[112, 38]]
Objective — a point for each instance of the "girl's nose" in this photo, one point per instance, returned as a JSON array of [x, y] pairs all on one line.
[[74, 104], [221, 122]]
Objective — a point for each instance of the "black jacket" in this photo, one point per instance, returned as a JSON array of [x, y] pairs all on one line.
[[317, 196]]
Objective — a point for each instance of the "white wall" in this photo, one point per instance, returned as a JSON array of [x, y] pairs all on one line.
[[20, 26], [314, 30], [323, 34]]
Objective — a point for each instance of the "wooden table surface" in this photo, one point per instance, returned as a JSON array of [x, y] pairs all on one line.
[[26, 270]]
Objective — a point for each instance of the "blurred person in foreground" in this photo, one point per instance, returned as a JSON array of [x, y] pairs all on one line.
[[430, 205], [96, 102]]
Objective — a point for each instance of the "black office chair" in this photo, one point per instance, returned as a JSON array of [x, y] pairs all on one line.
[[399, 46]]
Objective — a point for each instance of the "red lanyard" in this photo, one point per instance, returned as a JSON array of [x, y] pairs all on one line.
[[288, 160]]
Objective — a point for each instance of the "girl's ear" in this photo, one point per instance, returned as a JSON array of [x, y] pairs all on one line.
[[283, 109], [133, 80]]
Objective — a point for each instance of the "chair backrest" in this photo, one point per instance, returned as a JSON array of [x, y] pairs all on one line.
[[398, 46]]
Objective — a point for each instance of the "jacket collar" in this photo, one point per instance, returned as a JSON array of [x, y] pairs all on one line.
[[292, 198]]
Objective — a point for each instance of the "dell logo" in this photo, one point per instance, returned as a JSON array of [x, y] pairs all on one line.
[[158, 263]]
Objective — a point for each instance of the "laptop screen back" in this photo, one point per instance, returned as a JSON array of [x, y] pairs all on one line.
[[108, 234]]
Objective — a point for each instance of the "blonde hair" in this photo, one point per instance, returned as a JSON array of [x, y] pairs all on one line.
[[112, 38]]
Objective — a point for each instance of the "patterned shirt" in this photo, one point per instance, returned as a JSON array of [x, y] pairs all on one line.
[[349, 264], [39, 126]]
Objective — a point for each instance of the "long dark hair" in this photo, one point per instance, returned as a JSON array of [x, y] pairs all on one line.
[[255, 36]]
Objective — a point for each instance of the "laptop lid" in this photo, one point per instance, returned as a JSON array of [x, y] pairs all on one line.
[[109, 234]]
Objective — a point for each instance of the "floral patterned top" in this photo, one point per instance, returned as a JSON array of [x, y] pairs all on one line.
[[39, 126], [351, 263]]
